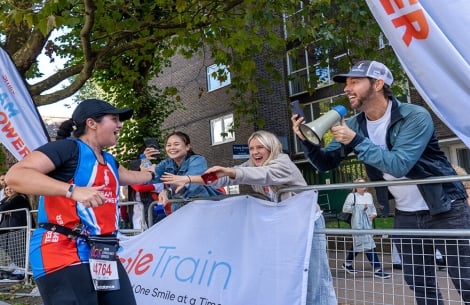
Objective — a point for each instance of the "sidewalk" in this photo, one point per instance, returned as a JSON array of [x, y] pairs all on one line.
[[19, 292]]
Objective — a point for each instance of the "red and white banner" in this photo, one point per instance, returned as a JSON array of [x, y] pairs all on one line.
[[431, 41], [240, 250], [21, 127]]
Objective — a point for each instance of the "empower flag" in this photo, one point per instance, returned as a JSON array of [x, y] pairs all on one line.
[[21, 127], [431, 41], [240, 250]]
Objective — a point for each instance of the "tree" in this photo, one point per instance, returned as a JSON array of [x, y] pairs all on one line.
[[121, 45]]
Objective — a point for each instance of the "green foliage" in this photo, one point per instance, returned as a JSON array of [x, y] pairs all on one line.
[[122, 45], [378, 223]]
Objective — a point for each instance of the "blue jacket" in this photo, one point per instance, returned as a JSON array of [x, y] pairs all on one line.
[[412, 151], [192, 165]]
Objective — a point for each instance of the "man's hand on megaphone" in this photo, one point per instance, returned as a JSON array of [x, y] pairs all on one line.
[[296, 121], [342, 133]]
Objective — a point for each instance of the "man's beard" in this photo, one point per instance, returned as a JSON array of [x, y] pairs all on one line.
[[366, 97]]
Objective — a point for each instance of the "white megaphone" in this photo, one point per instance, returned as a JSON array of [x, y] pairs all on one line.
[[315, 130]]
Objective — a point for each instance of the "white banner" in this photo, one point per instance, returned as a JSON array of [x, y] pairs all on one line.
[[21, 128], [240, 250], [430, 39]]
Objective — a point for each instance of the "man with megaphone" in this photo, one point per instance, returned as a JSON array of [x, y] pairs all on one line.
[[396, 141]]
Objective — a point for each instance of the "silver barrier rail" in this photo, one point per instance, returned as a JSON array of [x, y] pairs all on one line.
[[325, 187], [14, 244], [360, 285], [142, 225], [184, 201]]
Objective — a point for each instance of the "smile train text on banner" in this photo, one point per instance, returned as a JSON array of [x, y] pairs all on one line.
[[431, 41], [21, 127], [240, 250]]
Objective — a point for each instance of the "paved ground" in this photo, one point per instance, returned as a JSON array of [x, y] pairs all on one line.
[[364, 288], [18, 293], [361, 288]]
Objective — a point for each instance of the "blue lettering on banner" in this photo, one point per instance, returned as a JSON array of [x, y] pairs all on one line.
[[8, 106], [190, 269], [7, 128]]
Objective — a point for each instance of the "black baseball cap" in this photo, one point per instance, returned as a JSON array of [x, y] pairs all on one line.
[[95, 108], [367, 68]]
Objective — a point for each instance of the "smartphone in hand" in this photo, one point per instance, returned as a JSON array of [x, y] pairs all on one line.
[[297, 109], [152, 142]]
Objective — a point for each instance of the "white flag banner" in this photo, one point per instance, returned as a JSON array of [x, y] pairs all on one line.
[[240, 250], [21, 127], [431, 41]]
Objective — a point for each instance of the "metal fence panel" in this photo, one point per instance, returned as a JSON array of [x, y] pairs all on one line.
[[364, 288]]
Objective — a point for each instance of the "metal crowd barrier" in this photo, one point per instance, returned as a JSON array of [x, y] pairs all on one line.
[[141, 225], [14, 245], [337, 186], [361, 288], [364, 288], [151, 220]]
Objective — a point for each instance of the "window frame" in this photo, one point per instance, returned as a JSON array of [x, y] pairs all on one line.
[[212, 82], [226, 126]]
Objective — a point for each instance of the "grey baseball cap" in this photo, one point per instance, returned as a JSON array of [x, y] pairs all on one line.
[[367, 68]]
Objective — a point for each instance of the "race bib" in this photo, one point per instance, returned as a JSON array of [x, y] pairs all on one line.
[[103, 265]]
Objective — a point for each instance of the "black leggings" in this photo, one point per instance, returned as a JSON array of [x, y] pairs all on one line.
[[73, 286]]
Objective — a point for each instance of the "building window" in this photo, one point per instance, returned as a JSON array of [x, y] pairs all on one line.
[[294, 21], [297, 65], [222, 130], [218, 76], [312, 66], [383, 41]]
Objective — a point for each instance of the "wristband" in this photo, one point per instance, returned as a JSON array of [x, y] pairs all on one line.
[[153, 175], [70, 191], [189, 179]]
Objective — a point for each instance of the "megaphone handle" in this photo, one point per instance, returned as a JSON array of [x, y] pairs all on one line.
[[342, 151]]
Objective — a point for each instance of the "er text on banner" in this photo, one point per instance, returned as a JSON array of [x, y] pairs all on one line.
[[427, 36]]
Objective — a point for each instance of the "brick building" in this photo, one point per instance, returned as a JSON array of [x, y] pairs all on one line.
[[207, 108]]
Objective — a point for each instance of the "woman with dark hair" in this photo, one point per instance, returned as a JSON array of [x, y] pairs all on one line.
[[78, 215], [65, 130], [184, 162]]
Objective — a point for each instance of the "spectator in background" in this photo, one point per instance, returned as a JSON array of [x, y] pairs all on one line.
[[137, 214], [184, 162], [361, 205], [147, 194], [2, 189], [124, 210], [267, 171], [2, 186], [13, 241]]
